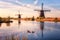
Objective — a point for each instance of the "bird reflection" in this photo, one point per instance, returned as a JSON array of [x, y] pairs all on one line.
[[28, 31], [8, 24], [42, 27]]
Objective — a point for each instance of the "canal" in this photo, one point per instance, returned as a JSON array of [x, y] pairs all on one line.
[[30, 30]]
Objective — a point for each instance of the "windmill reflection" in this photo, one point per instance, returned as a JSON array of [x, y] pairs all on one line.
[[19, 21], [8, 24], [42, 27]]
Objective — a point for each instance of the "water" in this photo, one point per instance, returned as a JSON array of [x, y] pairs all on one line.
[[30, 30]]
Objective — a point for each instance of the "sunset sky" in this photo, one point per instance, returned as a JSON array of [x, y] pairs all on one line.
[[26, 8]]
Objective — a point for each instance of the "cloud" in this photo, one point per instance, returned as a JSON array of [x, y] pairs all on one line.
[[25, 9], [35, 2], [21, 4], [53, 13], [12, 9]]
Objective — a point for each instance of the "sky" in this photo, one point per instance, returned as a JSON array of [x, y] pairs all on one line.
[[26, 8]]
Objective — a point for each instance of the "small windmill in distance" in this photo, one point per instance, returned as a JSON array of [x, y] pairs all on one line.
[[19, 17], [42, 11]]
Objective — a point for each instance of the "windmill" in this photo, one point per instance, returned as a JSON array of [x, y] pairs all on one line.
[[42, 11], [19, 17]]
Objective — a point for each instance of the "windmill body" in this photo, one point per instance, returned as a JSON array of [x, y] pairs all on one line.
[[42, 14], [42, 11]]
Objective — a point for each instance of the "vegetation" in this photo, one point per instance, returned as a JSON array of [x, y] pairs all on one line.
[[5, 20], [56, 20]]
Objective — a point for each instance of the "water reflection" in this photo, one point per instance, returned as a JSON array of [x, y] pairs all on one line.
[[0, 24], [42, 28], [8, 24], [30, 30], [19, 21], [24, 37]]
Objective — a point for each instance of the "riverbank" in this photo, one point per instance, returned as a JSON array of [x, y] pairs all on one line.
[[49, 19], [43, 19], [35, 19]]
